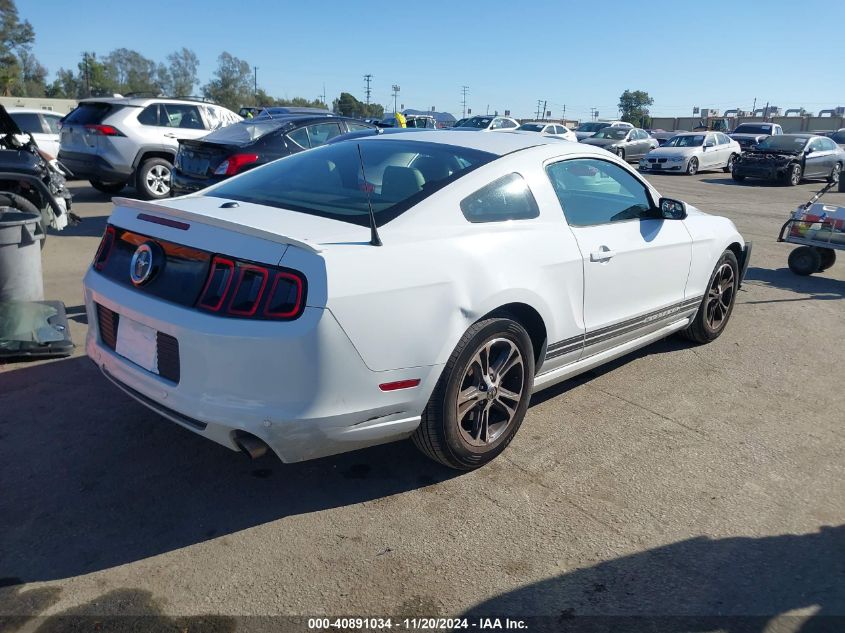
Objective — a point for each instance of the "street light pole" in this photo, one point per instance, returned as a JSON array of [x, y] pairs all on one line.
[[395, 96], [255, 85]]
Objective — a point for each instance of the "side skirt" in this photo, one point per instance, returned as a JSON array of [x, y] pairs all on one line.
[[542, 381]]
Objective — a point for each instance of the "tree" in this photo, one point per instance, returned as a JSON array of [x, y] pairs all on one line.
[[130, 71], [347, 105], [65, 85], [634, 107], [232, 83], [33, 76], [95, 78], [16, 37], [179, 76]]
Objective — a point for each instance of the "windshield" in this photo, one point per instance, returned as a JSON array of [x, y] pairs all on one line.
[[481, 122], [753, 128], [531, 127], [327, 181], [591, 127], [783, 143], [614, 133], [685, 141]]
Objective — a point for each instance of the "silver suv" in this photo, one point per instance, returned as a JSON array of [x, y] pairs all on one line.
[[120, 141]]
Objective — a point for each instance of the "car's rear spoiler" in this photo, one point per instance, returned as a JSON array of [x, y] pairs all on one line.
[[160, 209]]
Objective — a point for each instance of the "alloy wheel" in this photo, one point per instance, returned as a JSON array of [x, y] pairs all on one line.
[[720, 297], [158, 180], [490, 392], [836, 173], [795, 174]]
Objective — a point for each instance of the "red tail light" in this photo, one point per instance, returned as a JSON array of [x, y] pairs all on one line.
[[103, 130], [241, 289], [233, 164], [104, 250]]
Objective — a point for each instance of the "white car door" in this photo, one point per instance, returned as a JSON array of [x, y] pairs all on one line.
[[635, 263]]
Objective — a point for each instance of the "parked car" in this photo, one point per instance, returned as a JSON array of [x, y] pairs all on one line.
[[692, 152], [586, 130], [749, 134], [42, 125], [791, 158], [276, 111], [420, 121], [838, 137], [627, 143], [351, 298], [237, 148], [118, 141], [663, 136], [487, 123], [555, 130]]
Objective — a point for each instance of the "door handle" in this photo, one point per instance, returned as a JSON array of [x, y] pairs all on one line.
[[170, 135], [603, 254]]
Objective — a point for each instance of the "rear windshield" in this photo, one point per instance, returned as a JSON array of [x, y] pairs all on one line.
[[591, 127], [751, 128], [328, 181], [89, 113], [477, 122], [245, 131], [27, 121], [532, 127]]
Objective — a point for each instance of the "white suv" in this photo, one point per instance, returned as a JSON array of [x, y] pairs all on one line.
[[113, 142]]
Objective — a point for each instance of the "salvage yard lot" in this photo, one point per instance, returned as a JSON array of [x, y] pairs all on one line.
[[664, 483]]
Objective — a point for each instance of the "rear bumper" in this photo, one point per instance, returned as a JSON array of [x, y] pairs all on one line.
[[300, 386], [181, 183], [94, 167]]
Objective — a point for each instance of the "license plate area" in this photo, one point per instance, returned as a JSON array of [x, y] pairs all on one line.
[[137, 343], [195, 166]]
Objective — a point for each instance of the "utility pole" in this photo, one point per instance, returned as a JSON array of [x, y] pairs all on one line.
[[255, 85], [324, 94], [564, 113], [87, 76], [464, 91], [766, 111], [754, 107], [368, 78], [545, 103], [537, 113], [395, 95]]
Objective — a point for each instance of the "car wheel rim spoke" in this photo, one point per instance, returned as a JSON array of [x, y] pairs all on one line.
[[157, 180], [720, 296], [490, 392]]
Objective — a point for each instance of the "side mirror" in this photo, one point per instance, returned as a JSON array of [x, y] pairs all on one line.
[[809, 150], [672, 209]]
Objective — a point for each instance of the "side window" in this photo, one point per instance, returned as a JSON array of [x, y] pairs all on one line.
[[319, 133], [180, 115], [816, 145], [497, 124], [300, 137], [354, 127], [28, 122], [559, 129], [149, 115], [52, 122], [593, 191], [827, 144], [508, 124], [507, 198]]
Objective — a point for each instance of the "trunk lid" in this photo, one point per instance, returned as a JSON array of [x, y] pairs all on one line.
[[199, 159]]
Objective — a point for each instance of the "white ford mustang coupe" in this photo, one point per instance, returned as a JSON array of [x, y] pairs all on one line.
[[410, 285]]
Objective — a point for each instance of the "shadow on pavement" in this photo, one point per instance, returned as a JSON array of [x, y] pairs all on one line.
[[816, 286], [91, 479], [91, 226], [700, 584]]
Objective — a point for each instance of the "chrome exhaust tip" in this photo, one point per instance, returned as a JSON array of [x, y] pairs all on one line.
[[252, 446]]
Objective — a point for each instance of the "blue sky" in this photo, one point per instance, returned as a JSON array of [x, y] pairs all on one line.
[[510, 54]]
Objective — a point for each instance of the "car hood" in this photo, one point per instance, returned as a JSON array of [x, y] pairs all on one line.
[[602, 142], [7, 123]]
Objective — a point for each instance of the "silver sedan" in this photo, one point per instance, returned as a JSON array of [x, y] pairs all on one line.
[[692, 152]]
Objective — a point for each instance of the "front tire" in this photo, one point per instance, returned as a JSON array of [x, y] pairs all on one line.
[[153, 179], [793, 175], [620, 153], [804, 260], [481, 398], [835, 173], [692, 166], [728, 169], [718, 304]]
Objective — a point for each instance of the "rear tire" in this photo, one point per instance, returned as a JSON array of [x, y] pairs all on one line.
[[828, 257], [481, 397], [153, 179], [620, 153], [692, 166], [835, 173], [805, 260], [728, 169], [19, 203], [718, 303], [793, 175], [107, 187]]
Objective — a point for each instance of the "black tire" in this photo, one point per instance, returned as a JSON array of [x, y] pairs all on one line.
[[692, 166], [793, 175], [8, 199], [705, 327], [441, 434], [728, 169], [835, 173], [620, 153], [828, 258], [737, 177], [107, 187], [150, 179], [805, 260]]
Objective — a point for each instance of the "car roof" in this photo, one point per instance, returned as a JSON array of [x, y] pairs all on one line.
[[540, 123], [33, 111], [499, 144], [144, 101]]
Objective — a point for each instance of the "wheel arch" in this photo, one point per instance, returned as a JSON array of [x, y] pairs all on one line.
[[529, 318], [145, 153]]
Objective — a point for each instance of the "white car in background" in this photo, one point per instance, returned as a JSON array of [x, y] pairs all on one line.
[[42, 125], [395, 286], [692, 152], [555, 130], [488, 123]]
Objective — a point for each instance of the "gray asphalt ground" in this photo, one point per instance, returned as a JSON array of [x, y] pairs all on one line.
[[682, 480]]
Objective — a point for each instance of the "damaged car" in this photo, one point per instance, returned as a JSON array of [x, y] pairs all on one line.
[[749, 134], [32, 181], [791, 158]]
